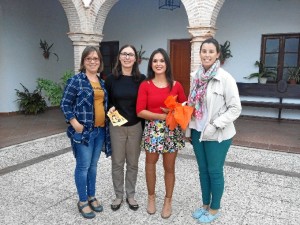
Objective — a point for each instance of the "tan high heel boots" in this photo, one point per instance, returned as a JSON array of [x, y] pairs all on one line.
[[167, 208], [151, 209]]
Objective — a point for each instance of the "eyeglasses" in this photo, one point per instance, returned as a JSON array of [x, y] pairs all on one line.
[[125, 54], [92, 59]]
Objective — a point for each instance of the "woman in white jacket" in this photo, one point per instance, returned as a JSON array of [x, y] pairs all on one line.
[[215, 96]]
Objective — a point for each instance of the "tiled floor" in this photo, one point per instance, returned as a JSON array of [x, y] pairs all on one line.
[[272, 134], [16, 129], [262, 133]]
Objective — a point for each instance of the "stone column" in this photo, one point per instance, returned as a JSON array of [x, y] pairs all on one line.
[[199, 34], [80, 41]]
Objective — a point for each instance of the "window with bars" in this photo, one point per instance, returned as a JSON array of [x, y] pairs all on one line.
[[280, 52]]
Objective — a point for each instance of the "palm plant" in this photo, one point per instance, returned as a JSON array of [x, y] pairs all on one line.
[[263, 72], [225, 52], [294, 74]]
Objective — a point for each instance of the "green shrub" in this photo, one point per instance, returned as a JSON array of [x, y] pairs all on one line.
[[31, 103], [54, 90]]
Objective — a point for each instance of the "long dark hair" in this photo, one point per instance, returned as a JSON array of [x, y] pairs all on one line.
[[169, 75], [117, 70], [86, 52]]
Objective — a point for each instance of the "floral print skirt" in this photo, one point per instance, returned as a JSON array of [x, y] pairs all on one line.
[[158, 138]]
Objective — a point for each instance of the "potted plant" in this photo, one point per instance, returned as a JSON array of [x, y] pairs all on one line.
[[294, 75], [140, 53], [225, 52], [263, 73], [54, 90], [46, 49], [31, 103]]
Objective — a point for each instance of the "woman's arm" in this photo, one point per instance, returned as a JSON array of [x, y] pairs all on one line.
[[68, 99], [76, 125], [67, 102], [146, 114], [181, 95], [233, 103]]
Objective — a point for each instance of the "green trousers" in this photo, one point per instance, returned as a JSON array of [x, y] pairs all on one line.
[[210, 157]]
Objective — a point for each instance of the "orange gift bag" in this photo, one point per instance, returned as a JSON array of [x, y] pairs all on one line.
[[178, 113]]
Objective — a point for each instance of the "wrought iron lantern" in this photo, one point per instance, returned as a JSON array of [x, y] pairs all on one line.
[[169, 4]]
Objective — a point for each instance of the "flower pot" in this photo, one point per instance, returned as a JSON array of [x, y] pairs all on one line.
[[46, 55], [292, 81], [262, 80]]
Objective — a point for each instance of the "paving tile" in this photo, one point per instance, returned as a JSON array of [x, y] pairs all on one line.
[[257, 190]]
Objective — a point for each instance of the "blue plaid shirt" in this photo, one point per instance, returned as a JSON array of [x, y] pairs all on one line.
[[78, 102]]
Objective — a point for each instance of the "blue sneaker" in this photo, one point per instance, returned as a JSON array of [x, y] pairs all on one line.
[[208, 218], [198, 213]]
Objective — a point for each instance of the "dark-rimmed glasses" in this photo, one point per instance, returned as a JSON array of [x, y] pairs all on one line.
[[88, 59], [125, 54]]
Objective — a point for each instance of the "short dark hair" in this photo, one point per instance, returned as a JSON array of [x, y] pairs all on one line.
[[169, 75], [211, 41], [86, 52]]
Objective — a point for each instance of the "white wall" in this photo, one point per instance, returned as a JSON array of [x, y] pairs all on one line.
[[22, 24], [243, 23], [136, 23]]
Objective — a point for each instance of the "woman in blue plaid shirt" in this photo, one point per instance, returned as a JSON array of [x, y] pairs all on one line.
[[84, 104]]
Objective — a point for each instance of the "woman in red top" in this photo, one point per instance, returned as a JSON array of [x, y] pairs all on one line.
[[157, 138]]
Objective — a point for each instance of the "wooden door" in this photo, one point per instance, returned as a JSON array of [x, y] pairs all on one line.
[[180, 56]]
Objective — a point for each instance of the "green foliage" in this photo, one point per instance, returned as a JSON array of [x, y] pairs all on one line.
[[54, 90], [140, 54], [294, 74], [66, 76], [46, 49], [225, 51], [263, 72], [31, 103]]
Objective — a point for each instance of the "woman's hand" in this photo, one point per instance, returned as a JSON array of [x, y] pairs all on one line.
[[79, 128], [163, 116], [187, 139], [165, 110], [76, 125], [112, 109], [209, 131]]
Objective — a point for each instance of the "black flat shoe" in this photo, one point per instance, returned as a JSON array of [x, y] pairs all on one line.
[[116, 207], [132, 207]]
